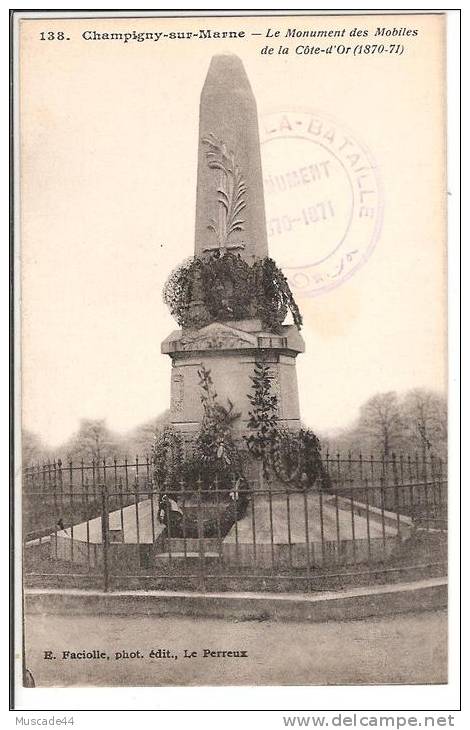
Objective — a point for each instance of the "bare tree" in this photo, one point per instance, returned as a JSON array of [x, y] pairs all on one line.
[[425, 416], [32, 448], [381, 420], [92, 442], [141, 439]]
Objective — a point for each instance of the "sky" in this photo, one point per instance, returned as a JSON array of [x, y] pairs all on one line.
[[108, 160]]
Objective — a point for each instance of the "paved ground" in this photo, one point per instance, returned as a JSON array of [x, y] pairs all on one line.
[[407, 649], [280, 513], [336, 524]]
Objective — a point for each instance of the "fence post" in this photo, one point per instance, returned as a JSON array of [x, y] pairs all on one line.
[[307, 539], [85, 488], [105, 528], [71, 504], [182, 497], [167, 521], [426, 491], [217, 504], [200, 533], [434, 514], [60, 487], [351, 499], [439, 484], [396, 493]]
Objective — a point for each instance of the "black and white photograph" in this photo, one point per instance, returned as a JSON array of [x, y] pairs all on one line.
[[232, 360]]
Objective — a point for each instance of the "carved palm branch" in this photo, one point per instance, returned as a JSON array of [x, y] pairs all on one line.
[[231, 190]]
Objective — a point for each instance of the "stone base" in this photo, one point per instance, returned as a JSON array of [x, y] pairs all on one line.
[[275, 531], [230, 351]]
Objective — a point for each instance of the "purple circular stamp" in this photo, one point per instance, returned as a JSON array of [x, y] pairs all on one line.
[[323, 199]]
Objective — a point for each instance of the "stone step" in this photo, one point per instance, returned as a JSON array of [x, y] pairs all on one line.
[[190, 544]]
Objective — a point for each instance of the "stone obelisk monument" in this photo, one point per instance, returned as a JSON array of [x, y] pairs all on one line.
[[228, 122], [230, 221]]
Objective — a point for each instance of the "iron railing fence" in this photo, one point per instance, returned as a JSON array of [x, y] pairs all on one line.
[[110, 523]]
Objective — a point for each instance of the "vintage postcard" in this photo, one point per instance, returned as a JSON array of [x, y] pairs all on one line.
[[231, 261]]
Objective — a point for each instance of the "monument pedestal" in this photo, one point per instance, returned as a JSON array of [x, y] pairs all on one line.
[[229, 350]]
